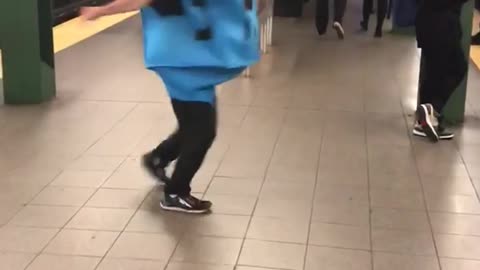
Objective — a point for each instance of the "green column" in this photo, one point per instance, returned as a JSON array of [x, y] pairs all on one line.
[[454, 111], [27, 51]]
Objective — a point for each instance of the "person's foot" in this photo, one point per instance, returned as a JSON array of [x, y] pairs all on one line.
[[185, 204], [476, 39], [364, 25], [339, 29], [378, 33], [426, 118], [156, 167], [443, 134]]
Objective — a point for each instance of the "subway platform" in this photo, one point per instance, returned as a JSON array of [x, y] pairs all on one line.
[[314, 167]]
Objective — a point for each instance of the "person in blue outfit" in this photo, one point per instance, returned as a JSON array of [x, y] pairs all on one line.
[[193, 45]]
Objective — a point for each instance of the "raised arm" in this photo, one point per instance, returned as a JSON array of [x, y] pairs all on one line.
[[115, 7]]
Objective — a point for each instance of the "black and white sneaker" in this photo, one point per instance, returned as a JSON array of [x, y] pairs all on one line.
[[443, 134], [424, 118], [339, 29], [156, 167], [185, 204]]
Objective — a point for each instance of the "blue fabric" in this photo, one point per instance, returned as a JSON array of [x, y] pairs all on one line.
[[195, 84], [169, 41]]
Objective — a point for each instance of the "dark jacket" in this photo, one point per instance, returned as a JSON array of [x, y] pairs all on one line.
[[438, 22]]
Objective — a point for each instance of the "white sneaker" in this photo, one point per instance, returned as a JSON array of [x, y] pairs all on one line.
[[426, 118], [339, 29]]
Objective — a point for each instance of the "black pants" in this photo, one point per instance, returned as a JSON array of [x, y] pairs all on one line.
[[444, 68], [197, 126], [381, 11], [322, 13]]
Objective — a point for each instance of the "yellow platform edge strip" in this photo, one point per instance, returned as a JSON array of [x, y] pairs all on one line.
[[74, 31]]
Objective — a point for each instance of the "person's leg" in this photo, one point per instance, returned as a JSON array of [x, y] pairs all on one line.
[[158, 160], [321, 16], [197, 130], [367, 10], [340, 6], [381, 13]]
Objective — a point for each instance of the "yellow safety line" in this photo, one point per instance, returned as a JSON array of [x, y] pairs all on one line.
[[74, 31], [475, 51]]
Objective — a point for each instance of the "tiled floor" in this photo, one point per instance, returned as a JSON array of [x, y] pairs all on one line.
[[314, 167]]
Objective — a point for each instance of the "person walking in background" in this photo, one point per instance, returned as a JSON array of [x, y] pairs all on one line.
[[322, 16], [381, 14], [439, 35]]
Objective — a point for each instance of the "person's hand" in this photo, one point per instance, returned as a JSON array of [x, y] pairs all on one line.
[[91, 13]]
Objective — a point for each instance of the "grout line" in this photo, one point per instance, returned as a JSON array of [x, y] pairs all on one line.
[[319, 158], [372, 257], [429, 218], [263, 182]]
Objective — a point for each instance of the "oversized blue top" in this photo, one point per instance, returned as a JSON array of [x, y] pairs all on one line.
[[201, 33]]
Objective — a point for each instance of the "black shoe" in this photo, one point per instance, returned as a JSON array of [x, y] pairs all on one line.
[[185, 204], [476, 39], [364, 25], [443, 134], [339, 29], [156, 167], [424, 116]]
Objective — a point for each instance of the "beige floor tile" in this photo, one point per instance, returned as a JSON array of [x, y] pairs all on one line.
[[188, 266], [25, 239], [341, 194], [287, 190], [337, 259], [130, 264], [157, 222], [455, 224], [278, 229], [63, 196], [400, 219], [89, 179], [208, 250], [235, 186], [395, 182], [130, 175], [460, 204], [8, 211], [96, 163], [408, 200], [342, 178], [405, 242], [272, 255], [81, 243], [15, 261], [147, 246], [454, 264], [252, 268], [448, 185], [279, 208], [101, 219], [387, 261], [118, 198], [458, 246], [218, 225], [232, 205], [352, 213], [44, 216], [55, 262], [341, 236]]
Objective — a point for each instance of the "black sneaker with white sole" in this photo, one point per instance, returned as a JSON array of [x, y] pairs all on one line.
[[156, 167], [185, 204], [442, 133], [425, 121], [339, 29]]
